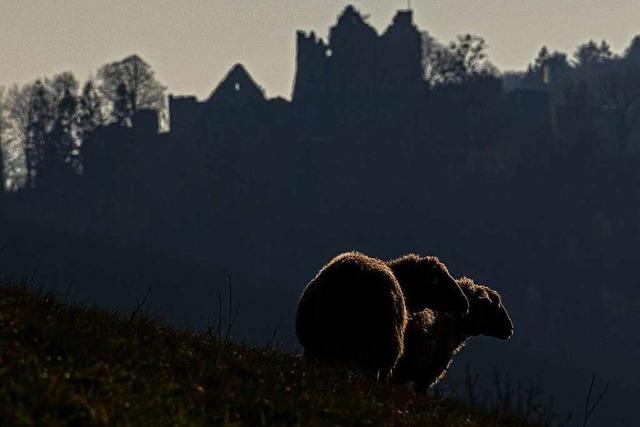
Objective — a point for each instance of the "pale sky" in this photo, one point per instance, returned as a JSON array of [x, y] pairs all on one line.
[[191, 44]]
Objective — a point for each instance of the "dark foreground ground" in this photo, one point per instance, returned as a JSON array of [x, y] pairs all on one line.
[[70, 365]]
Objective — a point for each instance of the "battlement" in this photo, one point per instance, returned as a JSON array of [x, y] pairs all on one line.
[[357, 69], [403, 18]]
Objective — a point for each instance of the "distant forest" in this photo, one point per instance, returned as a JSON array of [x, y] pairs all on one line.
[[391, 142]]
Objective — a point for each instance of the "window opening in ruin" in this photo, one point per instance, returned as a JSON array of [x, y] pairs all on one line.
[[236, 87]]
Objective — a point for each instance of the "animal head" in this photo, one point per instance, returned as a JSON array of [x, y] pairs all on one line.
[[426, 283], [487, 316]]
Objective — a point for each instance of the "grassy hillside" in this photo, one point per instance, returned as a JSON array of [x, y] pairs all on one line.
[[71, 365]]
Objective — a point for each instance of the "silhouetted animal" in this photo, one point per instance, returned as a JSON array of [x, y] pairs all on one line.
[[353, 313], [426, 283], [354, 310], [433, 338]]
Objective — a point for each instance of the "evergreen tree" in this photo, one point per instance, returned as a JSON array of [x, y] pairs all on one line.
[[632, 53], [591, 53], [549, 71]]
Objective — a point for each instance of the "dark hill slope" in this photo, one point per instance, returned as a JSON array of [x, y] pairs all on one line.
[[71, 365]]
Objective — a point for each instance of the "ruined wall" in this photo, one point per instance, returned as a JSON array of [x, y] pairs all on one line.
[[400, 81], [360, 80], [146, 122], [310, 91], [184, 111], [352, 71]]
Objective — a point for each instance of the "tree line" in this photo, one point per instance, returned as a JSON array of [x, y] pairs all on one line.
[[595, 97], [44, 123]]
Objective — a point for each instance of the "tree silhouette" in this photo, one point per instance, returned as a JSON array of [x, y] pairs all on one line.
[[3, 126], [122, 112], [13, 139], [40, 123], [542, 59], [632, 53], [128, 86], [617, 92], [90, 115], [461, 61], [591, 53], [61, 85], [549, 71], [432, 51], [31, 119], [61, 148]]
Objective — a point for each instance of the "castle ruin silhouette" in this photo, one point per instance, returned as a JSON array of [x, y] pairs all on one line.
[[352, 81]]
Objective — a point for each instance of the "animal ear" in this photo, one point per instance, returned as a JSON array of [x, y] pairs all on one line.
[[494, 296], [449, 296], [484, 298]]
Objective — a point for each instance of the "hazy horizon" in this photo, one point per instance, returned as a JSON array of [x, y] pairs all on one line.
[[192, 44]]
